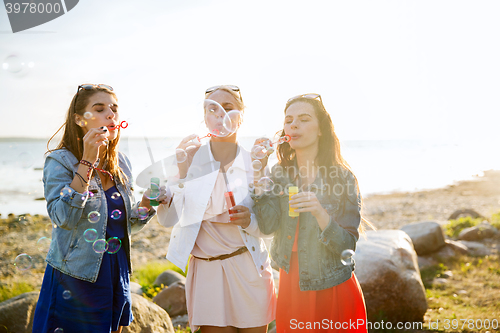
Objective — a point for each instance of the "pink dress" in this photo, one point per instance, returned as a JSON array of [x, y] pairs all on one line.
[[226, 292]]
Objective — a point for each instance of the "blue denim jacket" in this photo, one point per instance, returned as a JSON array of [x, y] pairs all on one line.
[[68, 210], [319, 251]]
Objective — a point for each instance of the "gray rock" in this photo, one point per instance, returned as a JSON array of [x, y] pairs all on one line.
[[180, 321], [169, 277], [464, 213], [136, 288], [447, 274], [458, 247], [427, 237], [16, 314], [445, 252], [387, 269], [479, 232], [148, 317], [173, 299], [438, 281], [424, 262], [476, 249]]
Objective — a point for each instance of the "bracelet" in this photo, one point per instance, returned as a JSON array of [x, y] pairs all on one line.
[[91, 167], [83, 179]]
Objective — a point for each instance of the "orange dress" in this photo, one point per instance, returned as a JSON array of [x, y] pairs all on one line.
[[336, 309]]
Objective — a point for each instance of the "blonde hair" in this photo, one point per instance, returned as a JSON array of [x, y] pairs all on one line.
[[235, 94]]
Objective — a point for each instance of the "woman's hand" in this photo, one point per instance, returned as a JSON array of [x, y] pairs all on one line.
[[190, 141], [308, 202], [92, 140], [240, 215], [163, 198]]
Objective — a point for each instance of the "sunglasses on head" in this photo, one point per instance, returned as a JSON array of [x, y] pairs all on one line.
[[214, 88], [306, 96], [90, 86]]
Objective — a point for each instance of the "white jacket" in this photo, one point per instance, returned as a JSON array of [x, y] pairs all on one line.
[[191, 196]]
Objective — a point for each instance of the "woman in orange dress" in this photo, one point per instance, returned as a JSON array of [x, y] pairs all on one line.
[[318, 291]]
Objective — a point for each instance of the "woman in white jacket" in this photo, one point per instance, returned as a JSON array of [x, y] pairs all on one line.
[[229, 285]]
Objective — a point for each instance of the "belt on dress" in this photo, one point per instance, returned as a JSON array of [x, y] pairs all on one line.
[[225, 256]]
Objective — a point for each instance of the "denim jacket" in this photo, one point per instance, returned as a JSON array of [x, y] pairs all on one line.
[[68, 210], [319, 251]]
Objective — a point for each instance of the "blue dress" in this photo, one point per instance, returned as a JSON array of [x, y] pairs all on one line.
[[67, 304]]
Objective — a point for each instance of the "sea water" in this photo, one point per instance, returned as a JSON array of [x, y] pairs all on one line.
[[381, 166]]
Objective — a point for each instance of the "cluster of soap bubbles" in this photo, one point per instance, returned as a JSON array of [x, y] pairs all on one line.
[[220, 123], [112, 245]]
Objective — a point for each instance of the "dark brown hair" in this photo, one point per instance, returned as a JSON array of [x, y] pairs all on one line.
[[73, 134], [328, 145]]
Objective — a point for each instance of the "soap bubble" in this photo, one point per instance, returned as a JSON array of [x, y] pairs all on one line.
[[180, 155], [23, 262], [88, 115], [65, 191], [43, 244], [143, 213], [256, 165], [90, 235], [232, 121], [25, 160], [100, 246], [115, 215], [81, 123], [66, 294], [114, 245], [58, 330], [115, 196], [89, 193], [94, 217], [258, 152], [265, 183], [214, 118], [346, 257], [14, 64]]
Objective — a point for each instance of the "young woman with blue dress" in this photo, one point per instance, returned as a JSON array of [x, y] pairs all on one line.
[[89, 193]]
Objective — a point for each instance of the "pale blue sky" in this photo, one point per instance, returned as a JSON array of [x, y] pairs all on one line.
[[385, 69]]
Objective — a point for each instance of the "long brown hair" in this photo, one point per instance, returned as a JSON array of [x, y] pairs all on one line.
[[72, 139], [329, 146]]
